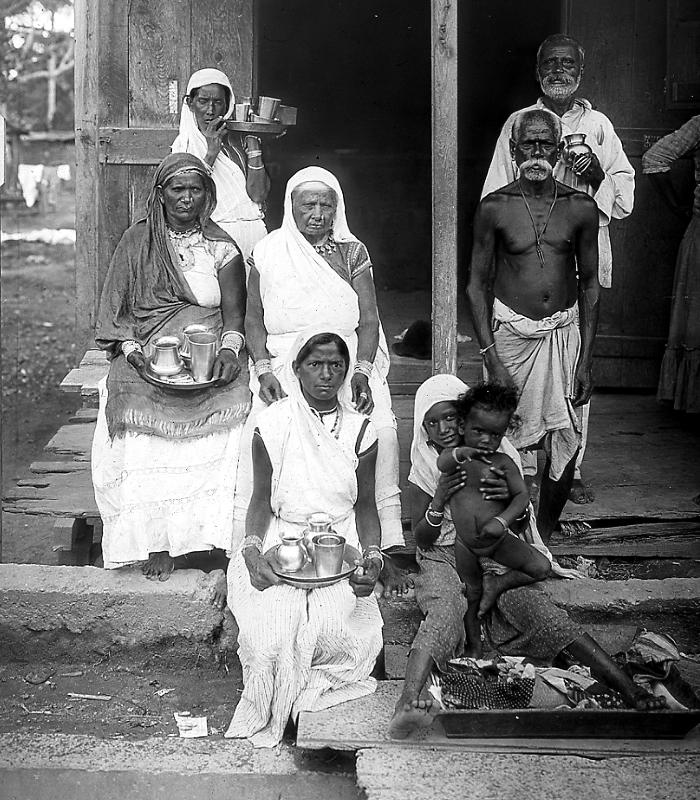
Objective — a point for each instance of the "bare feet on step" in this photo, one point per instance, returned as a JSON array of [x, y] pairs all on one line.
[[219, 589], [581, 492], [159, 566], [411, 716]]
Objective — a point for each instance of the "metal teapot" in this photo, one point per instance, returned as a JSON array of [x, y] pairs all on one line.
[[574, 146], [166, 358], [291, 554], [317, 523]]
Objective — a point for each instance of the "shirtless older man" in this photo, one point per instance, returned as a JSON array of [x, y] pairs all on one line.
[[535, 255], [606, 175]]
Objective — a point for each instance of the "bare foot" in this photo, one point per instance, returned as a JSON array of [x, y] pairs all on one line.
[[490, 591], [396, 581], [219, 589], [159, 566], [580, 492], [411, 716]]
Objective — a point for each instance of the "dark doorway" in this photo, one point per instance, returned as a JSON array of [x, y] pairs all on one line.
[[359, 72]]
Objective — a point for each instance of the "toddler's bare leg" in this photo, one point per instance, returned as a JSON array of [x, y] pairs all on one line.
[[470, 574]]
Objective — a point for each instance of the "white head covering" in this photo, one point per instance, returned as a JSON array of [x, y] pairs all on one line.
[[233, 203], [438, 389], [341, 231]]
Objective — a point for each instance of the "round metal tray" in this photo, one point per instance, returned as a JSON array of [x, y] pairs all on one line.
[[164, 383], [306, 577], [256, 127]]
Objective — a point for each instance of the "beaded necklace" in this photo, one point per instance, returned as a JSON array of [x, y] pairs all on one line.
[[337, 422], [328, 247], [538, 236]]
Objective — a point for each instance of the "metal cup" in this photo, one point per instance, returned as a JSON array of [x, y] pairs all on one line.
[[195, 327], [267, 107], [241, 112], [166, 359], [202, 354], [329, 549]]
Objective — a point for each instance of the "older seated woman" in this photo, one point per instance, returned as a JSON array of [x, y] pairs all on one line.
[[163, 460], [305, 650], [242, 184], [314, 271], [521, 621]]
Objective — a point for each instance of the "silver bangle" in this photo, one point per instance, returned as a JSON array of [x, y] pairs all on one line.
[[262, 366], [487, 348], [130, 346], [374, 553], [503, 522], [232, 340], [433, 513], [457, 460], [251, 166], [432, 524], [253, 541], [253, 153], [363, 368]]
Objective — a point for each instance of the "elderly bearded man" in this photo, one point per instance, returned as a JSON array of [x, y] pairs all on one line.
[[606, 175], [536, 245]]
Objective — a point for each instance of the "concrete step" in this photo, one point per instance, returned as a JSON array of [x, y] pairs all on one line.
[[81, 613], [70, 767], [401, 774], [610, 610]]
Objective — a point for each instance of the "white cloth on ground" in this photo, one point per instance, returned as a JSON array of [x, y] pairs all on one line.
[[302, 650], [541, 357], [235, 212], [615, 195], [424, 471], [299, 290]]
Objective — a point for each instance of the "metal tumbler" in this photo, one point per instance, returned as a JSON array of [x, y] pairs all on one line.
[[267, 107], [203, 348], [195, 327], [241, 112], [329, 549]]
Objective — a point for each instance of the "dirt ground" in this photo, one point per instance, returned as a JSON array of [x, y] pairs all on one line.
[[37, 333]]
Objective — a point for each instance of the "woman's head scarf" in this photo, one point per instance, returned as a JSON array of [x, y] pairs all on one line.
[[188, 122], [438, 389], [341, 231]]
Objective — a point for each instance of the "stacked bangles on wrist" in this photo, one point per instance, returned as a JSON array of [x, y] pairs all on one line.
[[253, 541], [373, 552], [232, 340], [363, 368], [130, 346], [438, 516], [262, 366]]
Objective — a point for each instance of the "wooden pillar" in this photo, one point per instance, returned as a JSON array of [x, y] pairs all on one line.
[[87, 172], [444, 183]]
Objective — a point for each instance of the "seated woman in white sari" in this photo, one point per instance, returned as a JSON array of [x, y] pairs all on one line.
[[314, 272], [242, 184], [306, 650]]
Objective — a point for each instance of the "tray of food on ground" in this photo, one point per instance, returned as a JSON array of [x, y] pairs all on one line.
[[507, 698], [306, 577], [181, 381]]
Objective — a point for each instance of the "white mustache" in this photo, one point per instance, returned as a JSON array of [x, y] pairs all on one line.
[[527, 166], [565, 86]]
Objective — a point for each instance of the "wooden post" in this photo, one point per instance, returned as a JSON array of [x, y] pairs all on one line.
[[444, 173], [87, 172]]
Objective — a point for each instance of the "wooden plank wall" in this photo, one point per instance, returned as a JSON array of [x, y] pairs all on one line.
[[444, 184], [134, 60]]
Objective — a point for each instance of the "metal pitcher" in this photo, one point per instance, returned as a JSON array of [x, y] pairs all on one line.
[[166, 357], [319, 522], [291, 555], [574, 146]]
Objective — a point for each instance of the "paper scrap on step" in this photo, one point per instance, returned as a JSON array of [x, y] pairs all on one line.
[[191, 727]]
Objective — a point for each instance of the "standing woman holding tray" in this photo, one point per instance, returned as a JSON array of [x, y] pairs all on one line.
[[242, 184]]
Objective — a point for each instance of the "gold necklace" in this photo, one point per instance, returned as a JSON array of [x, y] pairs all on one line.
[[538, 236]]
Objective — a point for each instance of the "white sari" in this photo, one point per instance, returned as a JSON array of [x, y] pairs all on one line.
[[302, 650], [235, 212], [299, 290]]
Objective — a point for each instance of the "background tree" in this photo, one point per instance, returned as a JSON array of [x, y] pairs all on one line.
[[36, 65]]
